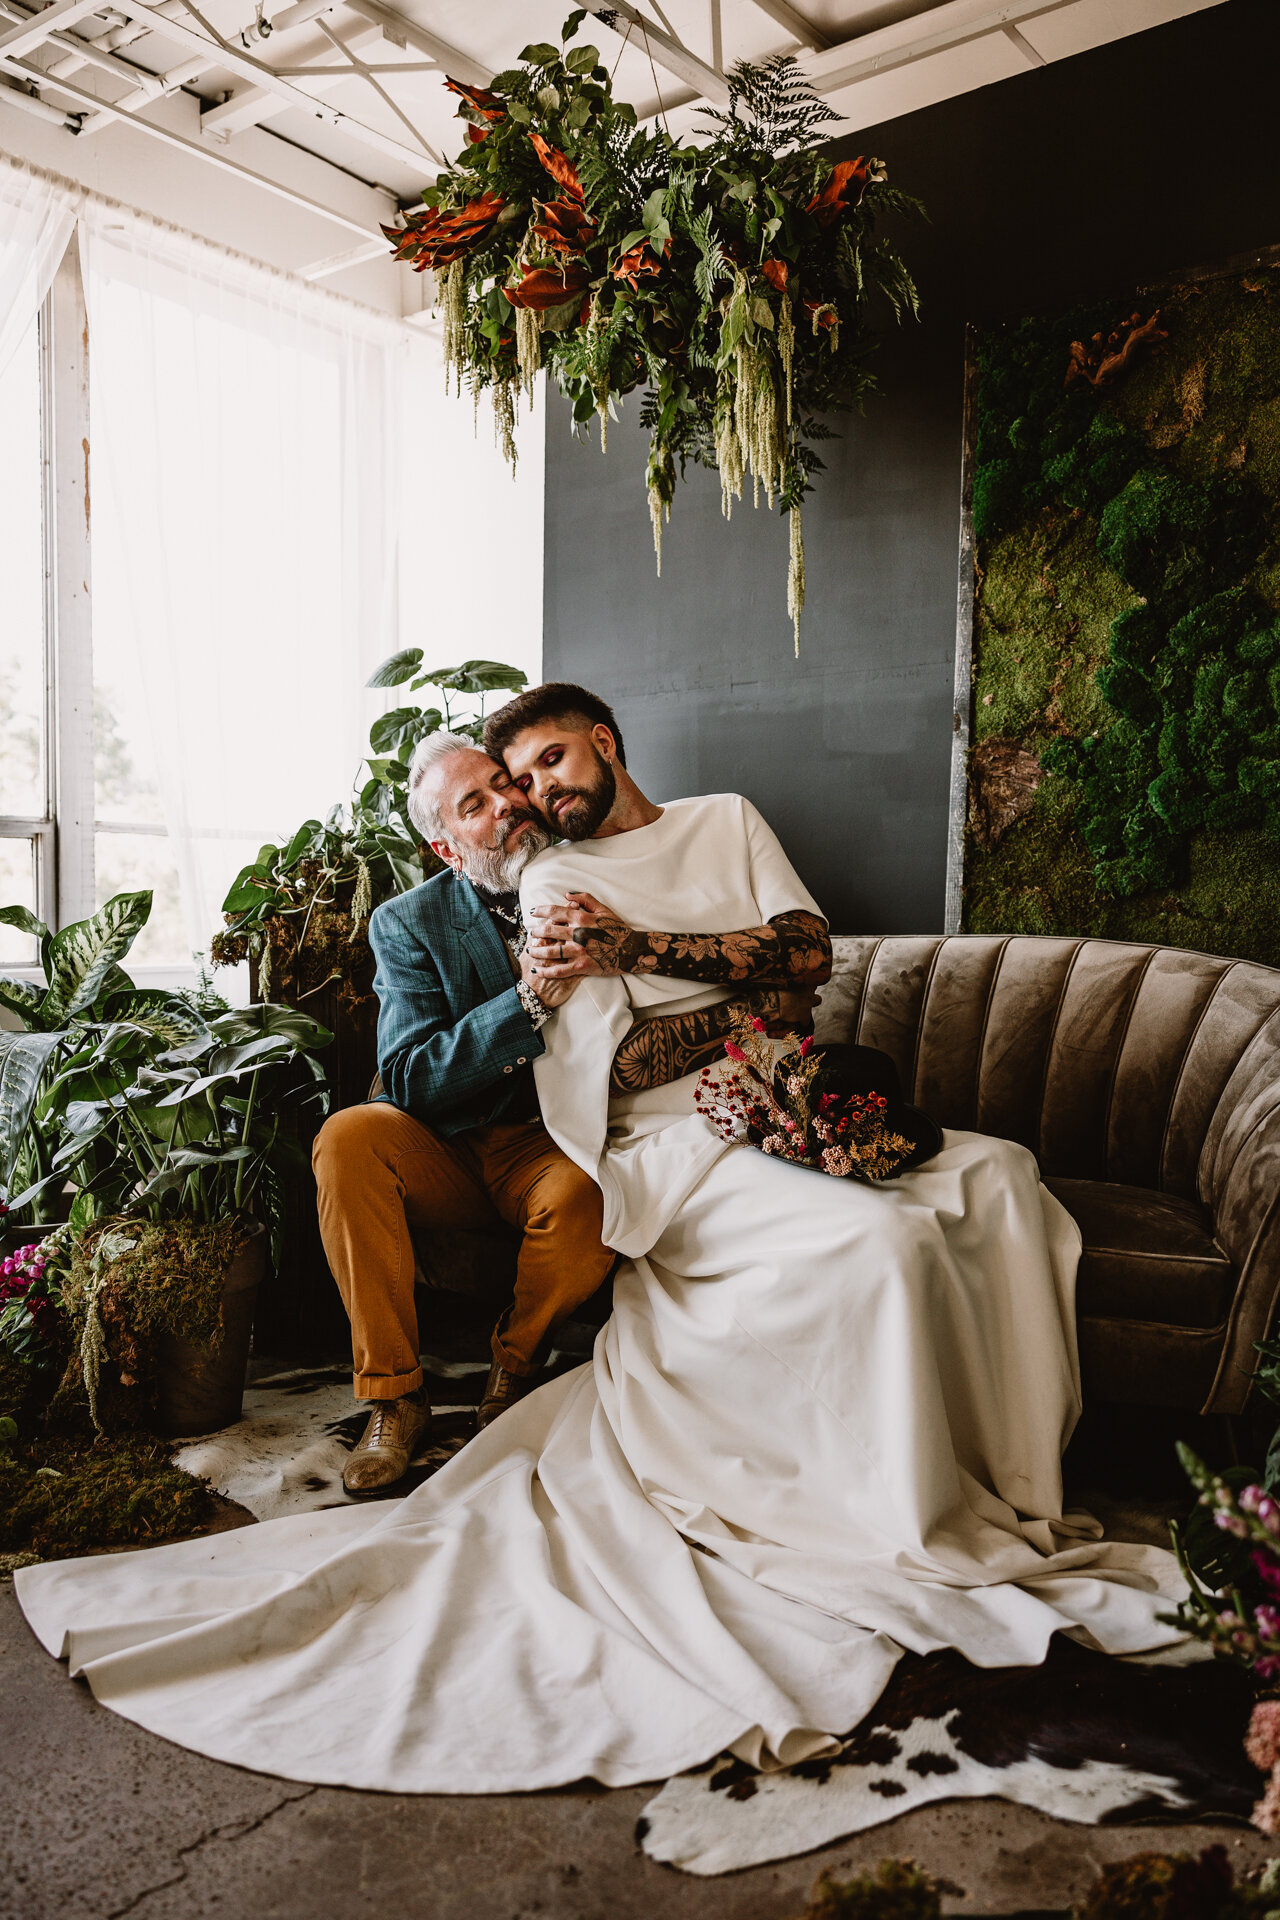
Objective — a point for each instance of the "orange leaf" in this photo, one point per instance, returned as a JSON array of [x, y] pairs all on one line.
[[831, 203], [639, 259], [562, 170], [565, 226], [775, 272], [546, 287]]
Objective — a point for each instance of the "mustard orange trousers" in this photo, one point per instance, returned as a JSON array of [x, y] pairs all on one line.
[[380, 1174]]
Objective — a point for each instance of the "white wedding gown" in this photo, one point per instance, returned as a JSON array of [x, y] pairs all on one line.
[[823, 1425]]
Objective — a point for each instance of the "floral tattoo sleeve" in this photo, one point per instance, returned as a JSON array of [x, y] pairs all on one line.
[[793, 947]]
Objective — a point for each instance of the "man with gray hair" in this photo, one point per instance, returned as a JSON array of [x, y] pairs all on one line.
[[455, 1139]]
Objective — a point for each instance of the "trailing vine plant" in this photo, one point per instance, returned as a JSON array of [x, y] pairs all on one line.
[[730, 280]]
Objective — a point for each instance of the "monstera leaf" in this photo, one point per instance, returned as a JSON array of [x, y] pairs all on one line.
[[23, 1060], [83, 956]]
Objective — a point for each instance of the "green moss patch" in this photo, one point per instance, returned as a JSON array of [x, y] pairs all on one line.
[[61, 1497], [1126, 629]]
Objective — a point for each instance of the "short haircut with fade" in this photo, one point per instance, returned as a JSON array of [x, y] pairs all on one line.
[[554, 700]]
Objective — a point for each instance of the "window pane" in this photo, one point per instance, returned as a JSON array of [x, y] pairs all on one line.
[[128, 862], [17, 889], [22, 574]]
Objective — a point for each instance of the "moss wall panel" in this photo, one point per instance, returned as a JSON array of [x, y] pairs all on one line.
[[1124, 778]]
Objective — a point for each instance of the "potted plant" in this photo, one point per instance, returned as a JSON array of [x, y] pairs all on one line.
[[177, 1156]]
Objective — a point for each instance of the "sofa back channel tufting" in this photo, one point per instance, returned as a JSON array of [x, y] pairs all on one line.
[[1146, 1080]]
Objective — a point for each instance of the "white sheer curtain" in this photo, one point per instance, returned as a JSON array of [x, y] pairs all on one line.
[[246, 480], [37, 215]]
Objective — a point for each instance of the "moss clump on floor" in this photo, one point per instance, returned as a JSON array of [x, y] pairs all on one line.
[[895, 1890], [61, 1497], [1126, 630]]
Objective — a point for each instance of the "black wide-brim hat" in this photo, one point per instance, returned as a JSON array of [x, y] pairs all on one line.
[[847, 1069]]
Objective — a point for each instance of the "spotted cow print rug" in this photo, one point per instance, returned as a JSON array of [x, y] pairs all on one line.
[[1084, 1737]]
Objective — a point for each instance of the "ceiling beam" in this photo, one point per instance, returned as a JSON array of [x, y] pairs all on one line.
[[63, 13], [663, 49], [886, 49], [795, 23], [407, 33], [213, 155], [245, 66], [249, 106]]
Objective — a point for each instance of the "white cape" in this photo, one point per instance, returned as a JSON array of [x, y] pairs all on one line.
[[823, 1424]]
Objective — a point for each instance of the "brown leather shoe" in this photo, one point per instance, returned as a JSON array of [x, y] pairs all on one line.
[[382, 1454], [502, 1390]]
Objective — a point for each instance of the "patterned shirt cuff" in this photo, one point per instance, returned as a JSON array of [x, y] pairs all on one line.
[[532, 1005]]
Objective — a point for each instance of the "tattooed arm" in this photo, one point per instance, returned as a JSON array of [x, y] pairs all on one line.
[[669, 1045], [584, 937]]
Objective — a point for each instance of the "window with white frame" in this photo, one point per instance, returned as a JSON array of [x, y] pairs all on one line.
[[212, 527]]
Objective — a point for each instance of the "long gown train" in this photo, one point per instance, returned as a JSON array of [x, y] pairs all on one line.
[[822, 1425]]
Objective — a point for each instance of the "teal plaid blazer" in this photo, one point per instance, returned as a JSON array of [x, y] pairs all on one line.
[[452, 1035]]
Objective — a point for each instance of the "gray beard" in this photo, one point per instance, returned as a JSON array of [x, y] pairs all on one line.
[[498, 869]]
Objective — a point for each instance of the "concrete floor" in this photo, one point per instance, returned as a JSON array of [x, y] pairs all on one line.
[[101, 1820]]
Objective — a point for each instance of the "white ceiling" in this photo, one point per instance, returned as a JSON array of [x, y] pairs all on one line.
[[337, 106]]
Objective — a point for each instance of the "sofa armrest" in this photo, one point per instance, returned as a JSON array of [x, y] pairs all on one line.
[[1240, 1185]]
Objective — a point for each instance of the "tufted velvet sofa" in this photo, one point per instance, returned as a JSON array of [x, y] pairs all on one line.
[[1146, 1080]]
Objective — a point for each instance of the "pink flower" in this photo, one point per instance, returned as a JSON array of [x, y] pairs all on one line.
[[1267, 1621], [806, 1046], [758, 1025], [1262, 1740], [734, 1051], [1266, 1814]]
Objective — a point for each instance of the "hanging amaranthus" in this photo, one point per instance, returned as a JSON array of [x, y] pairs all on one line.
[[795, 574], [565, 235]]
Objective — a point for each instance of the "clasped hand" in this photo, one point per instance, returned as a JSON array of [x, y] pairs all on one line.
[[582, 937]]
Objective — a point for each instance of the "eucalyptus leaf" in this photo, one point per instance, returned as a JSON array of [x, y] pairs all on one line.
[[582, 59]]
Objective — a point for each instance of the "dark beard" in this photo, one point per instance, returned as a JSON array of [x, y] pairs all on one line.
[[592, 808]]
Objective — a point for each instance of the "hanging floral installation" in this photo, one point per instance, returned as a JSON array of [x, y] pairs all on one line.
[[731, 280]]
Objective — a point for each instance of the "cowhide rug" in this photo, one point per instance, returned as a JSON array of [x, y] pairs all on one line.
[[1083, 1737], [287, 1453]]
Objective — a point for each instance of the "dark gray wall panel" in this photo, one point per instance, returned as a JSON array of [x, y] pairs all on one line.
[[1129, 163]]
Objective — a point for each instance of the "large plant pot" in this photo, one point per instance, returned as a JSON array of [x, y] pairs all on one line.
[[200, 1391]]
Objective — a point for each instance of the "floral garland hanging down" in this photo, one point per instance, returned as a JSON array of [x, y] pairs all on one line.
[[731, 280]]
